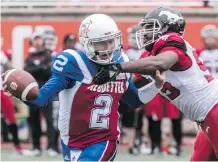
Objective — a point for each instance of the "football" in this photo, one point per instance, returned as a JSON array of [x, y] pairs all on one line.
[[21, 84]]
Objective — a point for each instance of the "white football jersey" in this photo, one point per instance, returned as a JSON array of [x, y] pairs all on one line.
[[191, 90], [210, 58]]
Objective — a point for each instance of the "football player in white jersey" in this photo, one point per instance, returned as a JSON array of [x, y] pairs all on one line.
[[209, 54], [88, 115], [188, 84]]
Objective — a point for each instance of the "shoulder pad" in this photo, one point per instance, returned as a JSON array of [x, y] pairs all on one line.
[[70, 64], [170, 39]]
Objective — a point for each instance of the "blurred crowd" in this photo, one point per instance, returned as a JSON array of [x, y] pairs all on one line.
[[42, 49]]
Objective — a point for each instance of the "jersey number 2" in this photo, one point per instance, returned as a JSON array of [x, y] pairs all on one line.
[[99, 119], [58, 64]]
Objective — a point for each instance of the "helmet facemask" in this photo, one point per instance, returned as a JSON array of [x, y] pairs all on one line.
[[149, 34], [105, 50]]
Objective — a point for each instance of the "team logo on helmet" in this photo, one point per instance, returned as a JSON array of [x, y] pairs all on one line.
[[170, 16], [85, 29]]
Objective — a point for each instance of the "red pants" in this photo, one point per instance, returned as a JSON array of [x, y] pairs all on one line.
[[155, 107], [8, 108], [207, 138], [170, 110], [203, 150], [161, 107]]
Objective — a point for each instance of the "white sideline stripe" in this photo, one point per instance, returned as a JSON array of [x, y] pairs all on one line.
[[27, 89], [8, 74]]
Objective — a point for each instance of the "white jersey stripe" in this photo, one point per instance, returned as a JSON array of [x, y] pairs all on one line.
[[66, 98]]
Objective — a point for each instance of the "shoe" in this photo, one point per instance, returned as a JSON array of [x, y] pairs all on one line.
[[35, 152], [134, 151], [156, 151], [145, 149], [175, 151], [21, 151], [52, 152]]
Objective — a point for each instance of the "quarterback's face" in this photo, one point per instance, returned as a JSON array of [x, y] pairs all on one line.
[[107, 46]]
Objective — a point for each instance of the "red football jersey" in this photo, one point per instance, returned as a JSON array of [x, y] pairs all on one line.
[[188, 84], [101, 124]]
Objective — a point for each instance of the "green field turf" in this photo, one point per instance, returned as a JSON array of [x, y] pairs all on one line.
[[10, 155]]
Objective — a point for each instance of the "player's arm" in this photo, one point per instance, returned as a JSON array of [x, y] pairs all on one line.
[[51, 89], [149, 65], [65, 72], [137, 97], [167, 51]]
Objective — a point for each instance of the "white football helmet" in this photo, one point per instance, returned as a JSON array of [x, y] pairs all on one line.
[[99, 28]]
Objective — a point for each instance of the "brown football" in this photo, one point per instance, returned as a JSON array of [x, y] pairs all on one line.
[[21, 84]]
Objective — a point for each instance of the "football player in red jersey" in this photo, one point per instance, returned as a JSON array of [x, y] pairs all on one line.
[[156, 110], [188, 84]]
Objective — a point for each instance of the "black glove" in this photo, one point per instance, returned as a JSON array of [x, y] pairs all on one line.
[[107, 73]]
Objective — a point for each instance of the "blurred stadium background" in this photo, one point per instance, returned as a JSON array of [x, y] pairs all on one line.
[[20, 18]]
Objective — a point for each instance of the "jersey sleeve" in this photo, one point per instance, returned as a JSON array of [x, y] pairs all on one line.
[[70, 64], [50, 90]]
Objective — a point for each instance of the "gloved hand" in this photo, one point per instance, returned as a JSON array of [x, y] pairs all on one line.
[[107, 73]]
